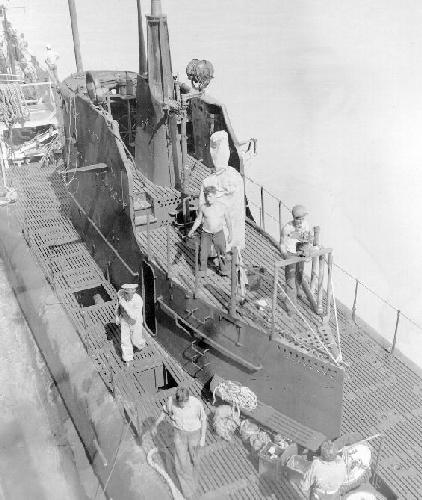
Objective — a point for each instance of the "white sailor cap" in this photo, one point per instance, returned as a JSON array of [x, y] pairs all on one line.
[[131, 287]]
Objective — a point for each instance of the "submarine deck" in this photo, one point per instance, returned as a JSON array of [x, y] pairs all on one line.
[[383, 393], [215, 288]]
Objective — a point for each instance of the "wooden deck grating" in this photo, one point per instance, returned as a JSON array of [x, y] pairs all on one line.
[[382, 392]]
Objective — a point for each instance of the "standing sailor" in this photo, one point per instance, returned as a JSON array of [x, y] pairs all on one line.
[[229, 187], [188, 418], [293, 235], [51, 61], [129, 317]]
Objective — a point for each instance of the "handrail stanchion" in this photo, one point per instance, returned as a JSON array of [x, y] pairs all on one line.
[[196, 268], [329, 287], [354, 301], [314, 274], [168, 249], [280, 226], [395, 332], [148, 239], [320, 283], [275, 292], [262, 208], [233, 289]]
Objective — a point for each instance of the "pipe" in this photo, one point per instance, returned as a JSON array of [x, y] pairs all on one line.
[[141, 41], [75, 34]]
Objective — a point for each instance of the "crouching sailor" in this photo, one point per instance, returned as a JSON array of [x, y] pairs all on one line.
[[129, 317], [322, 481]]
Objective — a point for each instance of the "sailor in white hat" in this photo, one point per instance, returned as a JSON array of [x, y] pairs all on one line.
[[129, 317]]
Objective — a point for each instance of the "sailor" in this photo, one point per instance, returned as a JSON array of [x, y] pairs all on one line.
[[187, 416], [129, 317], [51, 58], [293, 235], [322, 481], [212, 215]]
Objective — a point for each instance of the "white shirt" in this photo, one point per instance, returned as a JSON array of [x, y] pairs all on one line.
[[190, 417], [325, 476], [132, 307]]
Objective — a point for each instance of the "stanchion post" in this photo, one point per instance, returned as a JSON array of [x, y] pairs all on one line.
[[168, 249], [280, 225], [148, 239], [354, 301], [274, 305], [329, 286], [314, 274], [262, 208], [196, 267], [320, 283], [393, 346]]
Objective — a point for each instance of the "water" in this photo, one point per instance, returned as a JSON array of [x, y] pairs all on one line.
[[41, 457], [332, 92]]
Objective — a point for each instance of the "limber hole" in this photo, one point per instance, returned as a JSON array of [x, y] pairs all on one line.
[[92, 296]]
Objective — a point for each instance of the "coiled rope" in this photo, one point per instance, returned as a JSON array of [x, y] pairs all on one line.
[[13, 107], [240, 396]]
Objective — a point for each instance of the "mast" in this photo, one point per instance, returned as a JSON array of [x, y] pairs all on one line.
[[75, 33], [142, 56]]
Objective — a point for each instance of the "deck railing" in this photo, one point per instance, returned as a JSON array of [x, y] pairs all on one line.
[[270, 214]]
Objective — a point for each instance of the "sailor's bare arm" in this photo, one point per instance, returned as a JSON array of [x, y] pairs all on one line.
[[197, 223]]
